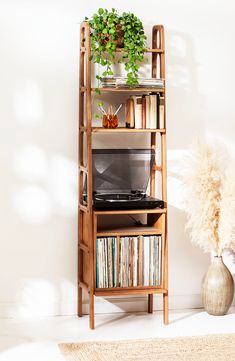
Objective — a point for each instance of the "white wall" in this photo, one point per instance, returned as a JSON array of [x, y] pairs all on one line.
[[38, 102]]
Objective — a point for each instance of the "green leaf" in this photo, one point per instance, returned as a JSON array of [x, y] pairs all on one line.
[[101, 11], [100, 104], [112, 31], [105, 31]]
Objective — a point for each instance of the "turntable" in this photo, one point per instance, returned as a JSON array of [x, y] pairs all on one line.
[[121, 177]]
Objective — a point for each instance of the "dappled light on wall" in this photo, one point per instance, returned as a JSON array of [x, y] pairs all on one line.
[[30, 163], [49, 186], [33, 204], [28, 103], [37, 298]]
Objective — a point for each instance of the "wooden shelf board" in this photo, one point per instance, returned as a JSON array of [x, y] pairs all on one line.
[[148, 50], [119, 50], [126, 130], [125, 90], [130, 211], [131, 90], [129, 290], [128, 231]]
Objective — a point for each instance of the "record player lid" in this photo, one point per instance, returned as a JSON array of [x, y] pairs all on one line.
[[121, 170]]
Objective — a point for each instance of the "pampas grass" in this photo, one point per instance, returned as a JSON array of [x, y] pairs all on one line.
[[227, 210], [210, 198]]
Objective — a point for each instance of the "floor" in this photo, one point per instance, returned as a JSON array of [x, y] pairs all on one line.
[[37, 340]]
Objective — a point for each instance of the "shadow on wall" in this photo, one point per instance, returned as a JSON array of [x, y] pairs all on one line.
[[185, 104]]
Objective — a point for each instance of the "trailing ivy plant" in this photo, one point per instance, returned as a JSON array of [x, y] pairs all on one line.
[[110, 31]]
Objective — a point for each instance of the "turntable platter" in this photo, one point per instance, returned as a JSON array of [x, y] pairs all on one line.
[[118, 197]]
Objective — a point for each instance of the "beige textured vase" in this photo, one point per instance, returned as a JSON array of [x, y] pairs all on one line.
[[217, 288]]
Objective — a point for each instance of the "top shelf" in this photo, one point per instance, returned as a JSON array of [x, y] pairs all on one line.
[[126, 90], [119, 50]]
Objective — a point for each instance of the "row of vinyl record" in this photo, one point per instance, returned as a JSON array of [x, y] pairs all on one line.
[[133, 261], [145, 111]]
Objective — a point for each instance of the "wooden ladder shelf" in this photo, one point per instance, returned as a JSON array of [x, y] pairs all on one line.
[[87, 216]]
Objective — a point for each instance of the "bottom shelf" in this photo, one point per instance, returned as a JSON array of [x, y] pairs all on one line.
[[129, 291]]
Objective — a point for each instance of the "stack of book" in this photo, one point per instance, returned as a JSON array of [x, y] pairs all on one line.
[[145, 111], [136, 262], [121, 82]]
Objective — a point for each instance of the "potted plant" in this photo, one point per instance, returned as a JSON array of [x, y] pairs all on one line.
[[110, 31], [210, 205]]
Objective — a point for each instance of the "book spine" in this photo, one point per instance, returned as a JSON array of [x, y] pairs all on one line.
[[151, 239], [97, 263], [101, 273], [146, 261], [159, 260], [106, 263], [156, 267], [130, 113], [120, 261], [110, 263], [144, 112], [147, 116], [161, 113], [153, 111], [158, 111], [126, 260], [114, 243], [138, 111]]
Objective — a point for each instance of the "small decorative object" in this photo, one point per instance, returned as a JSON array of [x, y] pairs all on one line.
[[210, 206], [110, 119], [110, 31]]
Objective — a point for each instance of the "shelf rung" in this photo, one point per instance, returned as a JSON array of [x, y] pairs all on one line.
[[83, 285], [157, 168], [83, 208], [83, 247], [83, 169]]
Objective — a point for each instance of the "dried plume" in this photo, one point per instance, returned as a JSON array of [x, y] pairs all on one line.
[[227, 210], [202, 188]]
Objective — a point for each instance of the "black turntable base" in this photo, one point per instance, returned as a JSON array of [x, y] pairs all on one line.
[[128, 200]]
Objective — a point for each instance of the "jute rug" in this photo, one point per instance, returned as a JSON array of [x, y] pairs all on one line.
[[203, 348]]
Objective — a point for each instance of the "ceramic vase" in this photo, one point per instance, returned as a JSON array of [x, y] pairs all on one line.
[[217, 288]]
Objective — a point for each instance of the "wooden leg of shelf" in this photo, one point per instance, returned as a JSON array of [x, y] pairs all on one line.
[[150, 303], [92, 315], [165, 309], [79, 301]]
